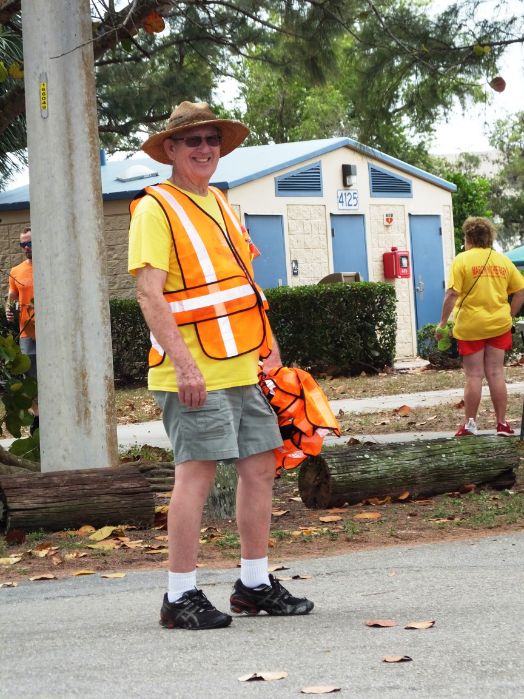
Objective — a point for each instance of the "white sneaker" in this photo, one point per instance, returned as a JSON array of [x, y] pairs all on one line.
[[471, 426]]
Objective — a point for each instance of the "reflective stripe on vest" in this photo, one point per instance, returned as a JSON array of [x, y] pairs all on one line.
[[219, 296]]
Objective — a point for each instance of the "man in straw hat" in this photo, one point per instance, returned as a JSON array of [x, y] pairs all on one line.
[[195, 286]]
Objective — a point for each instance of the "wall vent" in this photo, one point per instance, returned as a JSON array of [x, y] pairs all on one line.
[[304, 182], [386, 184]]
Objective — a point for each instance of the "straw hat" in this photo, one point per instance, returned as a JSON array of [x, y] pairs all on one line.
[[188, 115]]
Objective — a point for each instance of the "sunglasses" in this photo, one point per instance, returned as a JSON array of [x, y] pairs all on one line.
[[195, 141], [26, 245]]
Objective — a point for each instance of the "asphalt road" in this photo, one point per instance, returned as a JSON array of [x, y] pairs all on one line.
[[92, 637]]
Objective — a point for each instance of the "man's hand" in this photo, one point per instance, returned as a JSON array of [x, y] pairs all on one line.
[[273, 361], [10, 316], [191, 385]]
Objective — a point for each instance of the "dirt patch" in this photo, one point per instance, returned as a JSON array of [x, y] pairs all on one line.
[[296, 532]]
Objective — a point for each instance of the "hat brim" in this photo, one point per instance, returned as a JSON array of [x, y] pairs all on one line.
[[233, 134]]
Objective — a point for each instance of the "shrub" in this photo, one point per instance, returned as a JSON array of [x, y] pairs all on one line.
[[427, 348], [347, 328], [130, 338]]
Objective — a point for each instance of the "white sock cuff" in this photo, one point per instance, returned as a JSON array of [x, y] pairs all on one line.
[[178, 583], [253, 571]]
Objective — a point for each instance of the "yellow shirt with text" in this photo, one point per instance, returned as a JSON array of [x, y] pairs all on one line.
[[150, 243], [483, 278]]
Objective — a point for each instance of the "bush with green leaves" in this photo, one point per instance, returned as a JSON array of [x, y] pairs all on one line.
[[17, 393], [341, 328], [130, 338], [335, 328], [427, 348]]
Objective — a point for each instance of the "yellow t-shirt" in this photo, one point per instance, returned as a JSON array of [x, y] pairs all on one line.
[[485, 310], [150, 243]]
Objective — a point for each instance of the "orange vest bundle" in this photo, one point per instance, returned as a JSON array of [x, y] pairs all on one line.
[[303, 412], [219, 295]]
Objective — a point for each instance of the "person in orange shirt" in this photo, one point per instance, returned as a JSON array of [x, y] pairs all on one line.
[[21, 291]]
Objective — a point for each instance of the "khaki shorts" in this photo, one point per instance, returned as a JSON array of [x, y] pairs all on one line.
[[233, 423]]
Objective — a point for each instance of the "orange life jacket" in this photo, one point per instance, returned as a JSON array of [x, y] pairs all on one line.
[[219, 295], [303, 413]]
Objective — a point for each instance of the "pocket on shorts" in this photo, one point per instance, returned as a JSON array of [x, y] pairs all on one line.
[[263, 399], [206, 422]]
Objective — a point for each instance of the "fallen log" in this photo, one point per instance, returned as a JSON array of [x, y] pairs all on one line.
[[355, 473], [68, 499]]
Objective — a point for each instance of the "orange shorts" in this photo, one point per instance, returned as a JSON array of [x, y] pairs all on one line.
[[504, 342]]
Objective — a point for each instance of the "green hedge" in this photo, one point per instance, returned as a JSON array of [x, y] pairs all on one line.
[[335, 328], [130, 337]]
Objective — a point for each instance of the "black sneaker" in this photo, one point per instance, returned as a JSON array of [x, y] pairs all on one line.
[[273, 599], [192, 611]]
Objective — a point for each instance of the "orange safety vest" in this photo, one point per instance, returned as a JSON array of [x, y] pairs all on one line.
[[218, 294], [303, 413]]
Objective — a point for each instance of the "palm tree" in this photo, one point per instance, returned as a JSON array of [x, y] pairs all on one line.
[[13, 138]]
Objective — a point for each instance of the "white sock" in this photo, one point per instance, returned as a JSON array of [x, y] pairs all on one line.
[[178, 583], [253, 571]]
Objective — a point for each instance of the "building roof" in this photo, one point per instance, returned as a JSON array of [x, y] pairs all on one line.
[[122, 179]]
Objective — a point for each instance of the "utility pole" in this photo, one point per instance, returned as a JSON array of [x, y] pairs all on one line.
[[75, 372]]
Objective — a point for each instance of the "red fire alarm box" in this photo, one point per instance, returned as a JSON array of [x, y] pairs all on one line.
[[396, 264]]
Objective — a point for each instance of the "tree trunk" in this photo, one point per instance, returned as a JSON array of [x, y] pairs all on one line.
[[69, 499], [355, 473]]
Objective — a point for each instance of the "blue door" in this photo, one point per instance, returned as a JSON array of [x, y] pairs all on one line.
[[267, 232], [348, 242], [428, 267]]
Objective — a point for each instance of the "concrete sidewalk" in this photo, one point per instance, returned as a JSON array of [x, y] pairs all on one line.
[[88, 637], [153, 433]]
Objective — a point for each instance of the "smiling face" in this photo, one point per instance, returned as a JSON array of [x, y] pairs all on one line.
[[193, 167]]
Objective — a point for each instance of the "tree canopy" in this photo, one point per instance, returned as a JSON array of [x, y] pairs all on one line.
[[379, 70]]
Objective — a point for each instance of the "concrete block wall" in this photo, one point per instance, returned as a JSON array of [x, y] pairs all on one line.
[[381, 238], [307, 241]]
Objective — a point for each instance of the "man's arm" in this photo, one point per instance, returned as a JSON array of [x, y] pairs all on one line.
[[273, 361], [150, 286]]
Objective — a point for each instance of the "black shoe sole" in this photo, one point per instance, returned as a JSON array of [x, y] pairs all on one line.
[[168, 624]]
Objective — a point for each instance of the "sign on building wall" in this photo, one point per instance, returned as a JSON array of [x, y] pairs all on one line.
[[389, 218], [347, 199]]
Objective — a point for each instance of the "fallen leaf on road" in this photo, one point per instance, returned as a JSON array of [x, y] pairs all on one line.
[[162, 537], [301, 577], [41, 550], [396, 659], [320, 690], [295, 499], [380, 623], [459, 405], [75, 554], [162, 509], [330, 518], [265, 676], [113, 576], [420, 624], [10, 561], [279, 513], [83, 572], [369, 516], [273, 569], [106, 544], [43, 576], [9, 583], [153, 551], [85, 530], [404, 496], [378, 501], [352, 440], [105, 533], [57, 560], [403, 411]]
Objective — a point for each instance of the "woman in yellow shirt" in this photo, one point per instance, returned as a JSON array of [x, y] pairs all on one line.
[[480, 281]]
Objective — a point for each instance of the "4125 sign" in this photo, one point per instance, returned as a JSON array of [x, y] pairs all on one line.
[[347, 199]]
